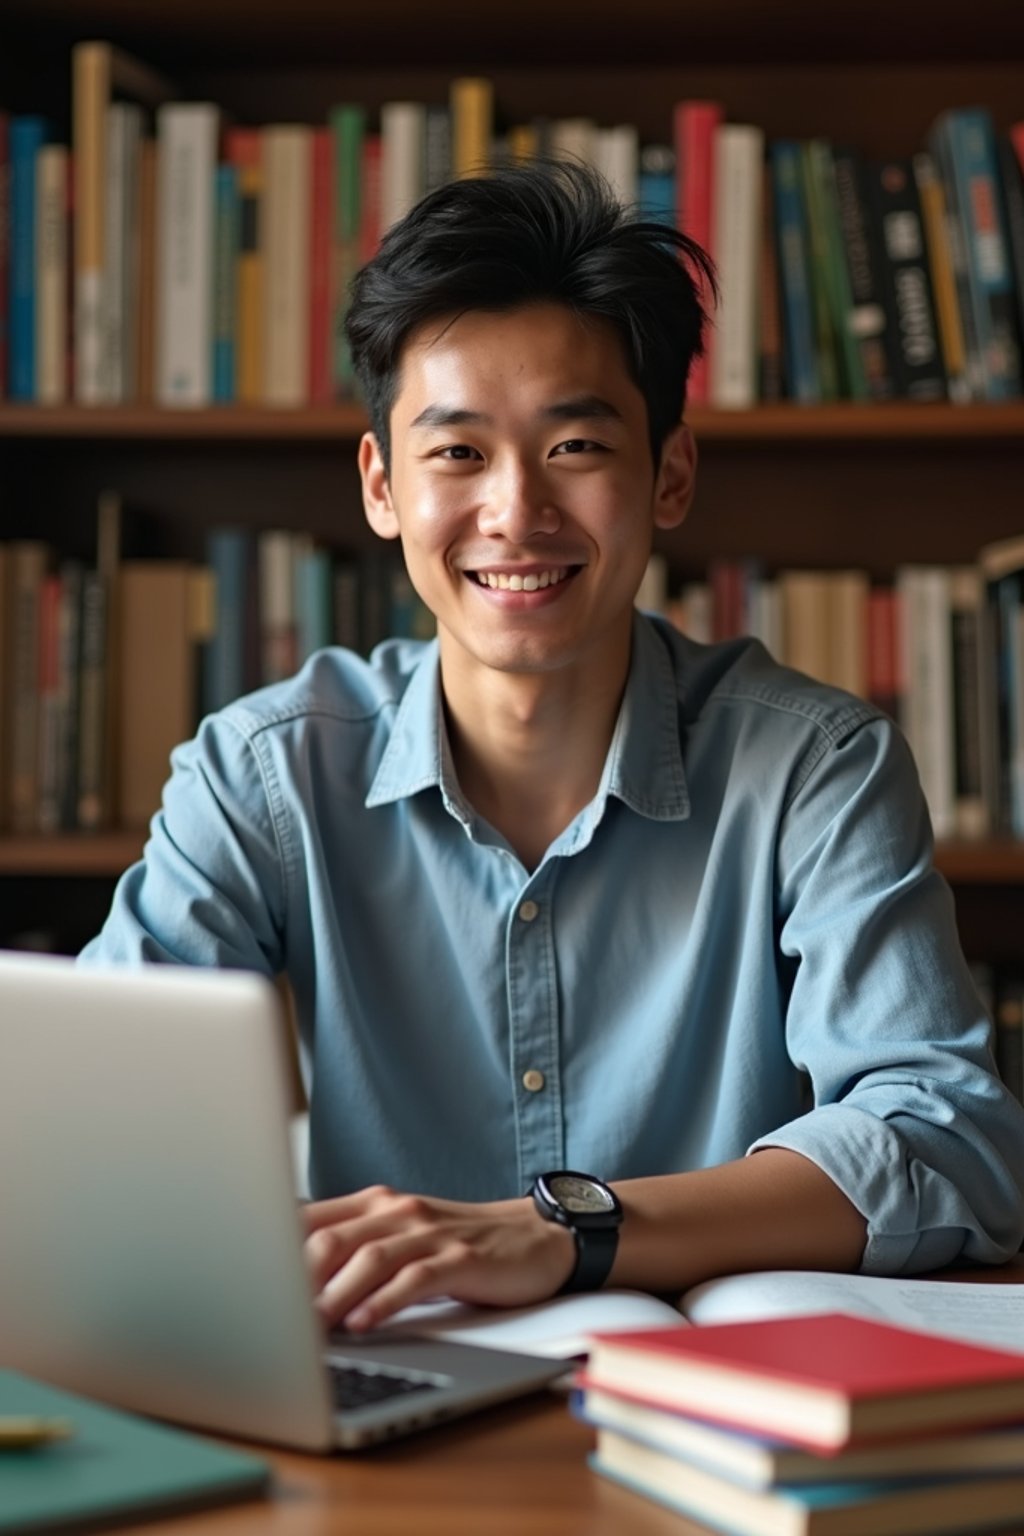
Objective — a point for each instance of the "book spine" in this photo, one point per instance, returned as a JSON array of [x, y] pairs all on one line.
[[70, 643], [145, 317], [228, 555], [471, 103], [799, 351], [694, 126], [121, 248], [738, 173], [1011, 177], [940, 264], [909, 298], [52, 273], [403, 159], [825, 340], [91, 84], [862, 250], [313, 598], [348, 130], [29, 561], [94, 795], [225, 274], [838, 290], [279, 650], [321, 297], [27, 135], [966, 596], [991, 281], [618, 156], [48, 744], [656, 184], [370, 212], [244, 150], [941, 147], [883, 682], [187, 134], [437, 148], [288, 163], [928, 669]]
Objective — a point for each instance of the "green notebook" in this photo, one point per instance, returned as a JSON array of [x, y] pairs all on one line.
[[115, 1466]]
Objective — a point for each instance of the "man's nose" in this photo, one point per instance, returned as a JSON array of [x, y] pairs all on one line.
[[519, 503]]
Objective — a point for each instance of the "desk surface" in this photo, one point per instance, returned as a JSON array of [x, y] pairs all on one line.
[[519, 1470]]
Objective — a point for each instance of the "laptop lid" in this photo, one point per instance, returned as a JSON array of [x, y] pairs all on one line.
[[151, 1250]]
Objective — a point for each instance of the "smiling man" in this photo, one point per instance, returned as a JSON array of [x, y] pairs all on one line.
[[575, 910]]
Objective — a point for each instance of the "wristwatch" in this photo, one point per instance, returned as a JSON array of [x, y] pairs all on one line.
[[592, 1214]]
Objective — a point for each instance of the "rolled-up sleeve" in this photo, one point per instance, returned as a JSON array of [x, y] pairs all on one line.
[[910, 1119], [210, 887]]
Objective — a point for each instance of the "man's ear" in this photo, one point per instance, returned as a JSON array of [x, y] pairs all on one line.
[[377, 503], [676, 479]]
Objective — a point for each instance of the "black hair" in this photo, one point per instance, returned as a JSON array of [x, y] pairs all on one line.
[[546, 232]]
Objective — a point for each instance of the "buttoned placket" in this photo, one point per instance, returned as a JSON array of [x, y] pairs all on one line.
[[531, 978]]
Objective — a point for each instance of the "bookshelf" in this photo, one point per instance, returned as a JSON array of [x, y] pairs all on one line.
[[832, 485]]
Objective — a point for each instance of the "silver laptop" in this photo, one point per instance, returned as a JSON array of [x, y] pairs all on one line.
[[150, 1244]]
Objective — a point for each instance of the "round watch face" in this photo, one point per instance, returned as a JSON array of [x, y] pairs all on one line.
[[580, 1195]]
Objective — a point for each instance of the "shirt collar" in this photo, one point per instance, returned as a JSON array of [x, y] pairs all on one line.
[[643, 769]]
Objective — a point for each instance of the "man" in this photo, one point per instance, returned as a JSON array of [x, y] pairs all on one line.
[[565, 889]]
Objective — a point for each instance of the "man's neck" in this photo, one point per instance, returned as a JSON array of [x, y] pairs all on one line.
[[529, 750]]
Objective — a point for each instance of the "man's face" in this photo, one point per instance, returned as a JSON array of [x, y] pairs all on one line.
[[522, 487]]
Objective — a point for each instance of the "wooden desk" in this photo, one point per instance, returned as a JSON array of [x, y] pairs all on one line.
[[520, 1470]]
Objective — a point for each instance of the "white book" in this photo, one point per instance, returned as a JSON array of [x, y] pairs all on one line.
[[738, 171], [926, 713], [403, 127], [187, 134], [121, 238], [52, 274], [618, 155], [574, 138], [287, 222]]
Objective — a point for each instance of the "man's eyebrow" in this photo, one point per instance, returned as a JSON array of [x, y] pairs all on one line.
[[449, 416], [582, 408], [575, 408]]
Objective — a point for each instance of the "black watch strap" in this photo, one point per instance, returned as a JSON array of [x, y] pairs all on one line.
[[595, 1255]]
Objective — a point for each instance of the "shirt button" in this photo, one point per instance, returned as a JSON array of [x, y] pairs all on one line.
[[533, 1081], [528, 911]]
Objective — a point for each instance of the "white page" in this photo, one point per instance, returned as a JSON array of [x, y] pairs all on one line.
[[978, 1312], [559, 1328]]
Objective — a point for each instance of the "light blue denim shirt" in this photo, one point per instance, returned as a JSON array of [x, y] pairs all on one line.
[[748, 906]]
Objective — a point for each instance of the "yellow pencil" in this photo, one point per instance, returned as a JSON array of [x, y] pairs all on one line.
[[20, 1431]]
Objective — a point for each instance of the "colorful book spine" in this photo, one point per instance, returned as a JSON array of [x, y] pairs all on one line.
[[187, 133], [321, 276], [27, 137], [908, 286], [471, 102], [656, 184], [370, 205], [227, 221], [973, 164], [348, 130], [799, 349], [244, 150], [91, 84], [825, 338], [52, 274], [738, 151], [935, 219], [867, 327], [694, 126], [288, 166], [228, 557]]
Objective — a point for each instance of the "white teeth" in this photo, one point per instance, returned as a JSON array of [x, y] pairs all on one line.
[[534, 582]]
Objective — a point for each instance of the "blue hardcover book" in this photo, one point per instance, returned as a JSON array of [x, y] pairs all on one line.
[[656, 184], [227, 240], [27, 137], [229, 557], [791, 235], [970, 167], [314, 581]]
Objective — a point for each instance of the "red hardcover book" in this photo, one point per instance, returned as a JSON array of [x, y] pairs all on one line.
[[825, 1381], [883, 650], [369, 225], [695, 123], [321, 383]]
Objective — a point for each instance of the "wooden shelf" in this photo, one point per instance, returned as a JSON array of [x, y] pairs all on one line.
[[898, 422], [100, 853], [991, 862]]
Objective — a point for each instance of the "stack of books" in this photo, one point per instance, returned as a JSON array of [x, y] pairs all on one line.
[[826, 1425]]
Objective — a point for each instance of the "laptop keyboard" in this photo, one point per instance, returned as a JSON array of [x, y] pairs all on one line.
[[353, 1386]]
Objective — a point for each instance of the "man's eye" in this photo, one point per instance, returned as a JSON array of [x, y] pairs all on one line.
[[577, 445], [459, 451]]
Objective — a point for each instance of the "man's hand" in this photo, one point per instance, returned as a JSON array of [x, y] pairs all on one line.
[[374, 1252]]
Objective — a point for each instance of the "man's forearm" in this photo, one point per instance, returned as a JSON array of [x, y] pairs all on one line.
[[774, 1210]]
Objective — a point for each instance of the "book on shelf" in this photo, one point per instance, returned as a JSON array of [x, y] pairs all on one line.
[[243, 149], [799, 346], [738, 155], [51, 256], [868, 332], [907, 283], [187, 134], [695, 124], [27, 135]]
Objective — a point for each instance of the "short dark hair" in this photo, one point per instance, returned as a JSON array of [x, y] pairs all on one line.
[[546, 232]]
